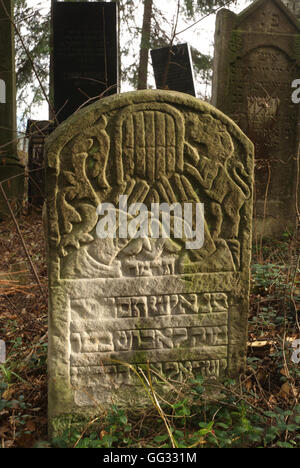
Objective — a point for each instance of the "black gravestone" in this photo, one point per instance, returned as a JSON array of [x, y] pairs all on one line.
[[36, 132], [173, 68], [85, 54]]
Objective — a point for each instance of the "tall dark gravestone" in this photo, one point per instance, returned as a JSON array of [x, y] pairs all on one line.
[[173, 68], [257, 57], [10, 168], [85, 54], [37, 131]]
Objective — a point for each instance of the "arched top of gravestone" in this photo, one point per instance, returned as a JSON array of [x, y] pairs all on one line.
[[267, 16], [152, 146], [87, 116]]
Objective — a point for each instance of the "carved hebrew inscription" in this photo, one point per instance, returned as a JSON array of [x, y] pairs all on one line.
[[262, 78], [113, 331], [145, 300], [260, 102]]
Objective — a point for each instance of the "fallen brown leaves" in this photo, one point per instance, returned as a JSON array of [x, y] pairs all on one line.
[[23, 327], [274, 325]]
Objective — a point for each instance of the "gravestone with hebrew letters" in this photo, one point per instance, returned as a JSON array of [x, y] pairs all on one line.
[[173, 68], [10, 167], [156, 298], [84, 59], [257, 58]]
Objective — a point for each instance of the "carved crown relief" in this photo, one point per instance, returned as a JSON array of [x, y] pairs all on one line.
[[153, 153]]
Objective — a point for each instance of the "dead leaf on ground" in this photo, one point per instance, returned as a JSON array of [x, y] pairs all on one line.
[[286, 390], [3, 430], [26, 441], [248, 385], [7, 394], [30, 426]]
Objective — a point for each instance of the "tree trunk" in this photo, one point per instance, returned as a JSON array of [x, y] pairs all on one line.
[[144, 50]]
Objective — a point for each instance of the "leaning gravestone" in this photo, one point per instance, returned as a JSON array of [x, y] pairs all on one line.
[[173, 68], [85, 54], [36, 132], [10, 168], [155, 298], [257, 57]]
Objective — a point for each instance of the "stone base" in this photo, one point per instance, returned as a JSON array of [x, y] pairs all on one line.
[[14, 187]]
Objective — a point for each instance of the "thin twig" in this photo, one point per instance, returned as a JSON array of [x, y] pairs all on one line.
[[203, 17], [170, 52], [22, 239]]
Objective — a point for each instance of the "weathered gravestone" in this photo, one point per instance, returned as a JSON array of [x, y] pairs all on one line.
[[173, 68], [10, 168], [85, 54], [142, 299], [257, 57], [36, 131]]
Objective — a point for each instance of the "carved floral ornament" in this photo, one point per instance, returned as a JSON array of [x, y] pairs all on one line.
[[174, 151]]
